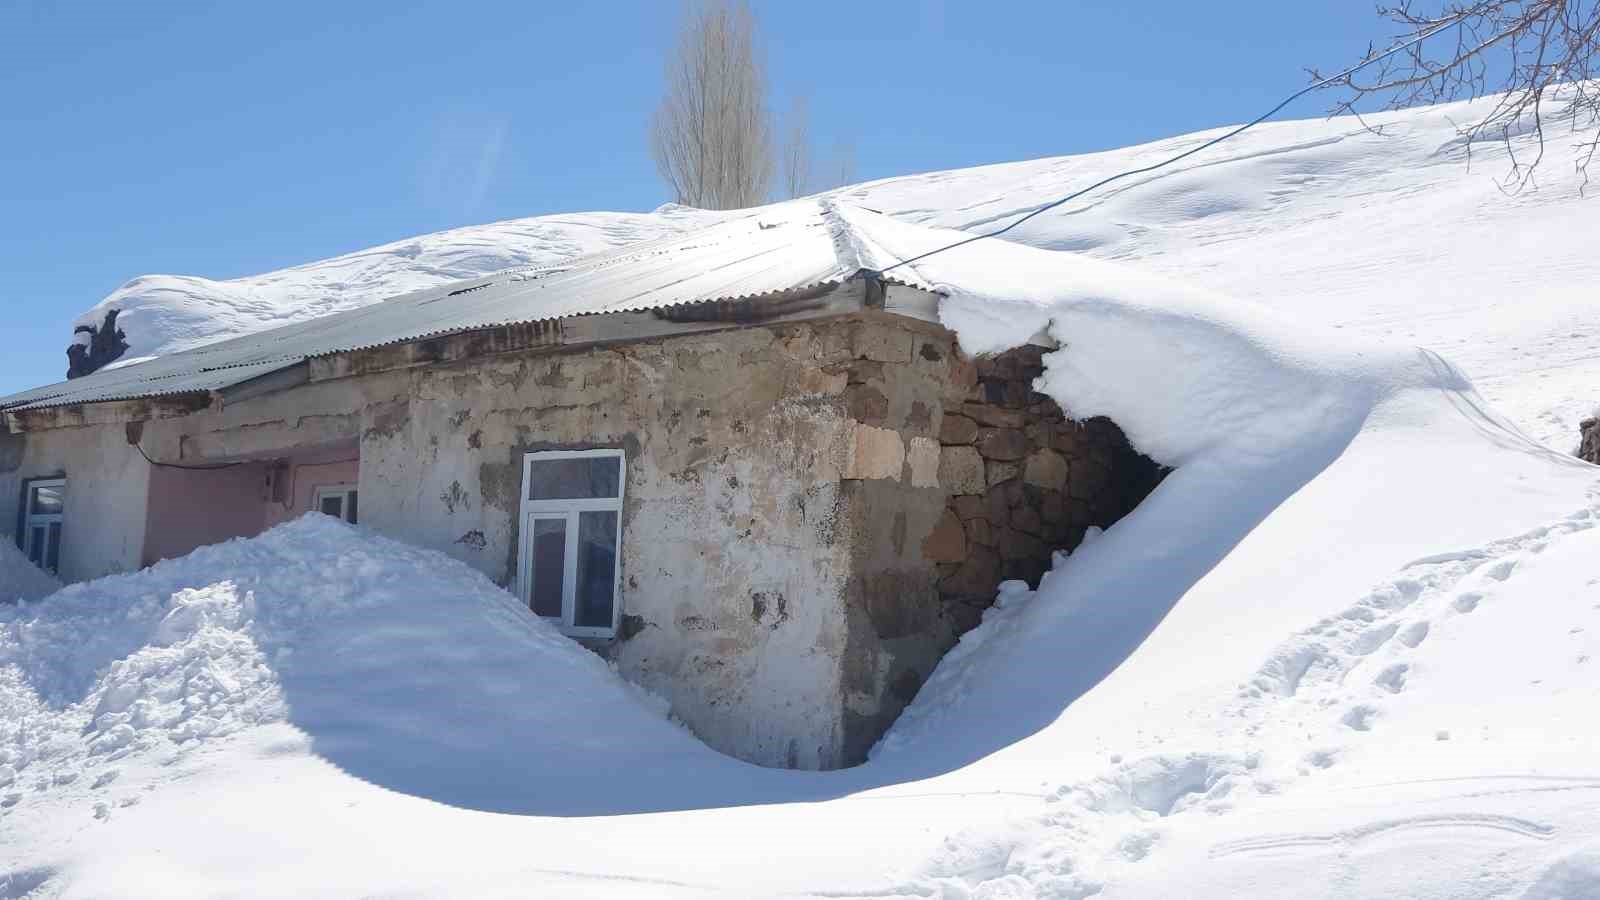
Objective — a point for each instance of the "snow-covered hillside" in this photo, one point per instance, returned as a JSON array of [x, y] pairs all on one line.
[[1389, 235], [1346, 649]]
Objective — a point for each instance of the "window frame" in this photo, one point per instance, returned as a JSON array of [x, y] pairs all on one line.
[[570, 509], [343, 491], [32, 520]]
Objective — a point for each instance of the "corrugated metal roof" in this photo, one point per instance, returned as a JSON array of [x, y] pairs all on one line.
[[783, 248]]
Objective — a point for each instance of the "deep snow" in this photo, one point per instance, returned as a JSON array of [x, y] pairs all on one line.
[[1345, 650], [1389, 236], [20, 579], [166, 313]]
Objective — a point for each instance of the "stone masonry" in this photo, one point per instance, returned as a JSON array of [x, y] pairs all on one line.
[[960, 477], [1024, 481], [1589, 443]]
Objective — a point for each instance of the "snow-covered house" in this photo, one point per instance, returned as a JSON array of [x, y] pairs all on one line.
[[743, 464]]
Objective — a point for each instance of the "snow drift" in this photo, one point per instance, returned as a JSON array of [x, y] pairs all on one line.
[[1346, 649], [401, 666], [1390, 236], [20, 579], [1267, 680]]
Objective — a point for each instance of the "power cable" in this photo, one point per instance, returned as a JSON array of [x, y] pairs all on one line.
[[162, 465], [1190, 152]]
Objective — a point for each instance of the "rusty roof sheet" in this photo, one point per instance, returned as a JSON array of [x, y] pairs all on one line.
[[782, 248]]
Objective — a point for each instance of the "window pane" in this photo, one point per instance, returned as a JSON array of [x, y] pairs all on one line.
[[549, 569], [597, 569], [52, 556], [36, 545], [575, 478], [350, 512], [333, 505], [47, 500]]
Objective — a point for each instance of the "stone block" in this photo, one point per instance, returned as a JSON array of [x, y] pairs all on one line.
[[1026, 519], [994, 416], [863, 371], [960, 470], [962, 380], [997, 472], [999, 505], [1088, 479], [1053, 508], [883, 343], [866, 404], [970, 506], [1589, 440], [1017, 393], [875, 453], [1014, 544], [922, 455], [1046, 469], [979, 531], [957, 429], [978, 576], [823, 382], [1002, 443], [948, 540]]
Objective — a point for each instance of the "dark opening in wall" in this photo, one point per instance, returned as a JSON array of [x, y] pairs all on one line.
[[105, 344]]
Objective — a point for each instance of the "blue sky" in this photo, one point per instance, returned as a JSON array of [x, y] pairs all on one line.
[[227, 139]]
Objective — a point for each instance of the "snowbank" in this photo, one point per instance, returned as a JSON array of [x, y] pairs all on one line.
[[399, 665], [20, 579], [1259, 626]]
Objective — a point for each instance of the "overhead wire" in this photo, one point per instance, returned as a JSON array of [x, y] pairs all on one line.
[[1317, 85], [162, 465]]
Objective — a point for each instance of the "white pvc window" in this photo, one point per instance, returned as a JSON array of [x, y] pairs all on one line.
[[337, 500], [43, 514], [569, 564]]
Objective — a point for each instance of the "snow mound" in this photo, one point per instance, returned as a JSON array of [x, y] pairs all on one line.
[[20, 579], [1276, 620], [385, 656]]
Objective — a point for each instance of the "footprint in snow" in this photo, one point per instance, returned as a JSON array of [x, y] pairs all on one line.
[[1360, 717], [1414, 634], [1393, 679], [1369, 641], [1501, 570], [1467, 602]]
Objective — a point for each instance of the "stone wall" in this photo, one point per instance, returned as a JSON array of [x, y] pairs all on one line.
[[964, 477], [1589, 440], [1024, 481]]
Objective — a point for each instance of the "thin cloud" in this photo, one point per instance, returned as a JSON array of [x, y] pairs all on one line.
[[462, 161]]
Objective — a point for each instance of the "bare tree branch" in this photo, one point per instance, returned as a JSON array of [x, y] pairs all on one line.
[[1536, 57], [797, 175], [712, 134]]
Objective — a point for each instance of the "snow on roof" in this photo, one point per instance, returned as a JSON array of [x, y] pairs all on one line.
[[791, 246]]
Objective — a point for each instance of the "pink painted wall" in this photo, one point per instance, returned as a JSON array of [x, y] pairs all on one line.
[[193, 508], [190, 509], [304, 479]]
